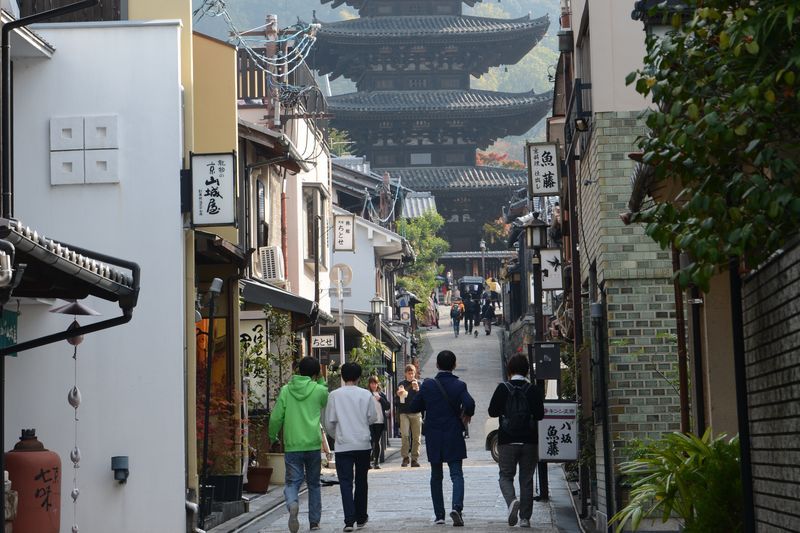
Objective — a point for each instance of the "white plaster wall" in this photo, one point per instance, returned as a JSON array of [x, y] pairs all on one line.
[[300, 275], [131, 376], [617, 49]]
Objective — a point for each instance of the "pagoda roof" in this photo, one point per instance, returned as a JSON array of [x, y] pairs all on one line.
[[358, 4], [448, 104], [444, 27], [461, 178]]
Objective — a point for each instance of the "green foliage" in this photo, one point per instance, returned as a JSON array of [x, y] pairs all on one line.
[[420, 277], [726, 129], [339, 142], [697, 480]]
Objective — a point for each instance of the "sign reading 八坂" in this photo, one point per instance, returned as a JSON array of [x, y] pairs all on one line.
[[344, 233], [543, 169], [213, 189], [558, 432]]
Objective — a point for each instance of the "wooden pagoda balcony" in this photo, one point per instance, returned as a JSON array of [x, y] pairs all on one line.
[[106, 10]]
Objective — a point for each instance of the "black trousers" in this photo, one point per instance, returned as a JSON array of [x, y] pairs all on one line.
[[375, 433]]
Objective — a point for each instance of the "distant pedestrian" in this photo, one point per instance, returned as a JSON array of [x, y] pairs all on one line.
[[376, 429], [350, 413], [448, 408], [476, 315], [410, 423], [456, 314], [487, 314], [520, 405], [297, 411], [469, 314]]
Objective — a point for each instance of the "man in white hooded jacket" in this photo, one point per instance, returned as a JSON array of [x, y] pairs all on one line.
[[349, 413]]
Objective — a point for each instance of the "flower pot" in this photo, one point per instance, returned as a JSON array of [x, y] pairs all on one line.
[[276, 462], [258, 479], [227, 488]]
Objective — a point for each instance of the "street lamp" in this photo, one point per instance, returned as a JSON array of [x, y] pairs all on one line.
[[483, 257], [376, 305], [536, 239]]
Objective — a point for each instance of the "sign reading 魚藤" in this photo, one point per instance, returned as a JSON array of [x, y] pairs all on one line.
[[213, 189], [558, 432], [543, 169], [344, 233]]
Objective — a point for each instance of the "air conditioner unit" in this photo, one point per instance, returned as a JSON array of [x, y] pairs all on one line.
[[271, 258]]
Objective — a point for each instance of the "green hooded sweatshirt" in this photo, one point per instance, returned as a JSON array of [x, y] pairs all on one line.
[[297, 410]]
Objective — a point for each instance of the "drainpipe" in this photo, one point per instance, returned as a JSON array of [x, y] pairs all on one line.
[[7, 204], [680, 323], [597, 313], [697, 349], [284, 234], [743, 417]]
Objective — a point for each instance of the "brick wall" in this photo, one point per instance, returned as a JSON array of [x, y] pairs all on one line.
[[772, 338], [636, 275]]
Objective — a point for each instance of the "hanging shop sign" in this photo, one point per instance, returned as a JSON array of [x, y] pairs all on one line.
[[344, 233], [544, 169], [547, 356], [552, 275], [213, 189], [558, 432], [323, 341]]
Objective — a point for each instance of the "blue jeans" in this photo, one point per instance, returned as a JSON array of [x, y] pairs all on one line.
[[455, 326], [353, 505], [300, 465], [457, 477]]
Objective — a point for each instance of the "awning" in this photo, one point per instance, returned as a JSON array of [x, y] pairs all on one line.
[[211, 249], [275, 141], [259, 293]]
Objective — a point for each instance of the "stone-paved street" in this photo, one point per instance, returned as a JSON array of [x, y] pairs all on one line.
[[399, 498]]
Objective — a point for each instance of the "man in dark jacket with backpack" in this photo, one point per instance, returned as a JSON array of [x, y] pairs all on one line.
[[520, 405]]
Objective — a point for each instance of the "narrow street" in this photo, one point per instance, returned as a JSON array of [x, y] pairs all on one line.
[[399, 498]]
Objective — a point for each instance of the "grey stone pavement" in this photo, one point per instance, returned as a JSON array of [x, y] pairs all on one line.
[[399, 498]]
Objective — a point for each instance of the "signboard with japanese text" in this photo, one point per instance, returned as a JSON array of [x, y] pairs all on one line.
[[323, 341], [344, 233], [214, 189], [253, 336], [543, 169], [552, 275], [405, 314], [558, 432], [8, 330]]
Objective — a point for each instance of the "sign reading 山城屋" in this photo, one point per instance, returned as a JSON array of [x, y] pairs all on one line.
[[543, 169], [213, 189]]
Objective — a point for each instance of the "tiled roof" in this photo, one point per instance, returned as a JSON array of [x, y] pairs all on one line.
[[433, 26], [358, 4], [452, 103], [437, 178], [417, 204]]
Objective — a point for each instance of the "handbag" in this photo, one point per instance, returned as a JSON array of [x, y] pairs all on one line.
[[462, 418]]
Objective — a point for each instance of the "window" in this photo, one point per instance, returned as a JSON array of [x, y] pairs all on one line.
[[262, 226], [417, 83], [450, 83], [315, 209], [455, 157], [421, 159], [384, 84]]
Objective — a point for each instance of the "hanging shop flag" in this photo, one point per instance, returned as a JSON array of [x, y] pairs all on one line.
[[544, 166], [213, 189], [344, 233]]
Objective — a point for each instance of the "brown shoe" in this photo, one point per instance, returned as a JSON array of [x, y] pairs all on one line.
[[405, 461], [414, 463]]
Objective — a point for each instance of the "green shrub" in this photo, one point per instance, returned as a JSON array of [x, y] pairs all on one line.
[[695, 479]]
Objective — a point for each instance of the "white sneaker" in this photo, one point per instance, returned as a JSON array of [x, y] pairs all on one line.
[[439, 521], [524, 522], [294, 523], [513, 513]]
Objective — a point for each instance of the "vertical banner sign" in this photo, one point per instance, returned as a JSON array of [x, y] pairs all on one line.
[[558, 432], [214, 189], [551, 269], [547, 356], [344, 233], [544, 169]]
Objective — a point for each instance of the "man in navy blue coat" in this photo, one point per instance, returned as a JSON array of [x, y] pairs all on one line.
[[445, 416]]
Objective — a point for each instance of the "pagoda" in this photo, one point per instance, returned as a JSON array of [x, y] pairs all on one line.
[[414, 113]]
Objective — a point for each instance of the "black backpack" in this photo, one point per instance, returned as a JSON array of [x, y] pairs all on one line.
[[517, 420]]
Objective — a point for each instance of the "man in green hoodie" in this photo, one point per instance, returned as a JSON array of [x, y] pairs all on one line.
[[297, 411]]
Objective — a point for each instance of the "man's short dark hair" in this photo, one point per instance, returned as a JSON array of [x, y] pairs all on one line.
[[351, 371], [308, 367], [446, 360], [518, 364]]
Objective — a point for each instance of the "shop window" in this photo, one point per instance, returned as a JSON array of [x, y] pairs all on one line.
[[315, 206]]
